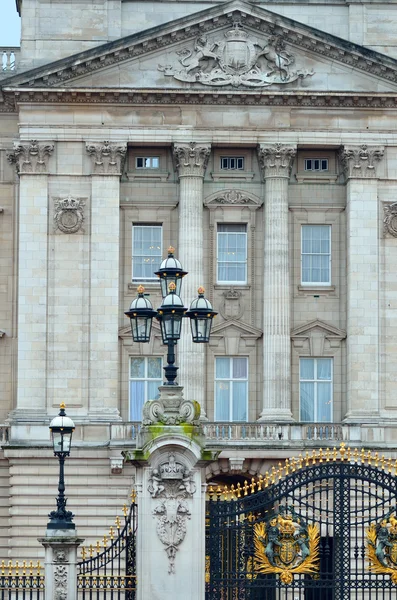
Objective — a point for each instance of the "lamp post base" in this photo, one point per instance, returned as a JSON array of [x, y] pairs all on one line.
[[60, 525]]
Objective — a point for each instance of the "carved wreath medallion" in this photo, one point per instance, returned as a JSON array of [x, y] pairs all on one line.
[[236, 60], [69, 216], [390, 219]]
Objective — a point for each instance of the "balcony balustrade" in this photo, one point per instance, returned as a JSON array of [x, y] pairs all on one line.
[[9, 57]]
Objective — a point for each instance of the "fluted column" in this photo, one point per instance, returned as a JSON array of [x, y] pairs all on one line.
[[107, 161], [191, 161], [276, 162], [31, 160], [360, 165]]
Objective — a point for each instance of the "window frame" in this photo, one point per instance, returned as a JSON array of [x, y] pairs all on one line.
[[316, 381], [145, 158], [316, 283], [314, 170], [226, 281], [231, 158], [146, 225], [230, 380], [144, 379]]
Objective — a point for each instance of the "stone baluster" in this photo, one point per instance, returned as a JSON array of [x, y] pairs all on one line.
[[191, 161], [360, 166], [31, 161], [107, 164], [276, 163]]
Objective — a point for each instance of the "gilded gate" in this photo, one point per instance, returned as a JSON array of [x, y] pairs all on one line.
[[321, 526]]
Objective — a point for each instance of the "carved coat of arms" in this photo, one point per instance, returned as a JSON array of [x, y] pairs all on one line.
[[382, 546], [286, 545], [236, 60]]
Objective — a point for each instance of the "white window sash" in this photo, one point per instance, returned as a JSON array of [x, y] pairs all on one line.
[[151, 277], [232, 263], [231, 381], [316, 381], [329, 254], [145, 380]]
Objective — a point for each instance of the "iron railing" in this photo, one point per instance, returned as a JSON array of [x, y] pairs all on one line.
[[21, 581]]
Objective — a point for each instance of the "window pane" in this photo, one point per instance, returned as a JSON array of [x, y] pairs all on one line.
[[324, 369], [239, 401], [222, 395], [137, 368], [307, 368], [222, 367], [240, 368], [324, 402], [154, 368], [307, 401], [137, 399], [152, 389]]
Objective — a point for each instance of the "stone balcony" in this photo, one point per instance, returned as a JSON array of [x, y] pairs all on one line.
[[9, 58]]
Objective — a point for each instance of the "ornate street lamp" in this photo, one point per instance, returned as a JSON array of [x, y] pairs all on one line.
[[170, 271], [61, 429], [171, 313]]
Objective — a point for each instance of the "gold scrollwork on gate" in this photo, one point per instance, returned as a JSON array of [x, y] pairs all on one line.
[[382, 546], [286, 545]]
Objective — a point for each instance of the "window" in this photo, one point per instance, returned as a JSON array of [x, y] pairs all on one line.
[[315, 382], [232, 253], [316, 254], [231, 389], [145, 378], [232, 163], [147, 162], [316, 164], [146, 251]]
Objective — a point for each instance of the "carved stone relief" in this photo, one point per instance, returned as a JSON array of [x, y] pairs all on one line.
[[191, 159], [30, 158], [107, 158], [361, 161], [276, 160], [60, 556], [237, 60], [390, 219], [60, 582], [172, 484], [68, 214], [170, 408], [232, 306], [232, 197]]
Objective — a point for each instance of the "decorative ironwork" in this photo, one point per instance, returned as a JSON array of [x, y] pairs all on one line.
[[108, 568], [286, 545], [382, 546], [338, 497], [21, 580]]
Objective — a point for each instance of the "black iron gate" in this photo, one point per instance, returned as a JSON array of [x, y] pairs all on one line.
[[321, 527], [108, 568]]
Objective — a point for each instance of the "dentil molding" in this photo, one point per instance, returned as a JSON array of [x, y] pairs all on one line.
[[191, 159], [107, 158], [30, 158], [361, 161], [276, 160]]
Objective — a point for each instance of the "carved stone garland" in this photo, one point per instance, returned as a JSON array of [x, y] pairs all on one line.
[[68, 214], [390, 219], [107, 158], [172, 484], [61, 582], [30, 158]]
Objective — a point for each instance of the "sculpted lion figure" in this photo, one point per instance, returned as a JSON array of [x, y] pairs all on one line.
[[277, 57], [202, 50]]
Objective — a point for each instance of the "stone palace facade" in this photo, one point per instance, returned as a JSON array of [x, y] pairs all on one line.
[[257, 139]]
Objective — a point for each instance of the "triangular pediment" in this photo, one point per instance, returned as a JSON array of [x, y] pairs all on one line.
[[233, 46], [329, 331], [243, 329]]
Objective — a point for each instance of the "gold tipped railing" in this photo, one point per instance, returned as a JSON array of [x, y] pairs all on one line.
[[291, 465], [25, 568]]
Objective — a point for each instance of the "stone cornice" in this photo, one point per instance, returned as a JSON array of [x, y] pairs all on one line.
[[143, 97], [191, 159], [31, 158], [107, 158], [361, 161], [255, 18], [276, 160]]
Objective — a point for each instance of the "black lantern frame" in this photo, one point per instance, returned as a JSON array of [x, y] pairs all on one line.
[[169, 272], [141, 316], [201, 314]]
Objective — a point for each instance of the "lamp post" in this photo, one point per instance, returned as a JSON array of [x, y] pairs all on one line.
[[170, 313], [61, 429]]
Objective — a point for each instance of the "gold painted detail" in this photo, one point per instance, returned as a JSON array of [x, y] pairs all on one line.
[[24, 577], [286, 545], [382, 546], [294, 464], [106, 582]]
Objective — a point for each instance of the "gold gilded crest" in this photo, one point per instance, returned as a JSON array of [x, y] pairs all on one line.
[[382, 546]]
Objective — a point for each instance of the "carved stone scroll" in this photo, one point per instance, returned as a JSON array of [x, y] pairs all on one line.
[[191, 159], [232, 197], [276, 160], [107, 158], [361, 161], [68, 214], [30, 158], [170, 408]]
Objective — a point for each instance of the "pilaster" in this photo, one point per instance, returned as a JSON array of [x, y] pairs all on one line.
[[60, 564], [31, 160], [360, 164], [276, 163], [191, 162], [107, 162]]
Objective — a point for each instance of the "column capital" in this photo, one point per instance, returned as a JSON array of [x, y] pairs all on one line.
[[191, 158], [107, 158], [361, 161], [276, 160], [31, 158]]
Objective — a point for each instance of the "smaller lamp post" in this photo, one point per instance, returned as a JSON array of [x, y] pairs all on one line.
[[61, 428], [171, 313]]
